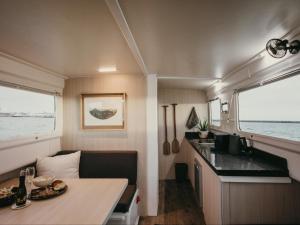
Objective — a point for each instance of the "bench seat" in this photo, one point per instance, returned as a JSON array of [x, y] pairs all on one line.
[[110, 164]]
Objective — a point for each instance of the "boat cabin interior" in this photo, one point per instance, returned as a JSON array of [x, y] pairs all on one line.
[[149, 112]]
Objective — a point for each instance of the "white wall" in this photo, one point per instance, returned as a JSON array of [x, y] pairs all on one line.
[[19, 156], [17, 153], [260, 69], [186, 99], [152, 146]]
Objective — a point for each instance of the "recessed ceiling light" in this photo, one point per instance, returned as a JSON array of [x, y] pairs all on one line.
[[107, 69]]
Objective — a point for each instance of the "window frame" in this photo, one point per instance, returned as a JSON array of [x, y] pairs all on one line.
[[210, 113], [29, 139], [277, 142]]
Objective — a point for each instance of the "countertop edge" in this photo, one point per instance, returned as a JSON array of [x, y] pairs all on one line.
[[246, 179], [260, 178]]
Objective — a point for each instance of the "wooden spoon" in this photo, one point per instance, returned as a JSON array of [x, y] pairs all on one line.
[[175, 143], [166, 145]]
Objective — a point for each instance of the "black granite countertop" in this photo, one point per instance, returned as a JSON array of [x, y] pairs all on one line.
[[259, 163]]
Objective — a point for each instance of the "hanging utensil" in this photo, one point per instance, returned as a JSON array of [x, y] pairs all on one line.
[[175, 143], [193, 119], [166, 145]]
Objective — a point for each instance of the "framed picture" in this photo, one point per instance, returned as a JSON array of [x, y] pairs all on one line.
[[103, 111]]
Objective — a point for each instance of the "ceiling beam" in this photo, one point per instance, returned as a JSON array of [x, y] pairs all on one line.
[[118, 15], [187, 78]]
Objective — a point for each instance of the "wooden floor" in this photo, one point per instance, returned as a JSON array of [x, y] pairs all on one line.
[[177, 206]]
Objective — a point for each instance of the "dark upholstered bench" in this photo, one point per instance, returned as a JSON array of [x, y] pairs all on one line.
[[110, 164]]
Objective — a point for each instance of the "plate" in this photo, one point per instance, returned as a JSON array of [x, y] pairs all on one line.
[[9, 198], [48, 192]]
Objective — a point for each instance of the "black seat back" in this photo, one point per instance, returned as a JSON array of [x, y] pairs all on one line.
[[107, 164]]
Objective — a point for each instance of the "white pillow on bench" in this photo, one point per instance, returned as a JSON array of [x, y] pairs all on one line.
[[61, 166]]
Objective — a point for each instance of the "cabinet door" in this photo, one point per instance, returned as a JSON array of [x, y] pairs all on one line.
[[190, 159], [263, 203], [211, 186]]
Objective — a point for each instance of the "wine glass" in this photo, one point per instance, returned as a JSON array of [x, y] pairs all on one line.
[[30, 173]]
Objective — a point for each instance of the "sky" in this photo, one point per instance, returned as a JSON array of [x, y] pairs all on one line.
[[276, 101], [215, 109], [17, 100]]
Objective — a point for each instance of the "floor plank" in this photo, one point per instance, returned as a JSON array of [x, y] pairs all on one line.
[[177, 206]]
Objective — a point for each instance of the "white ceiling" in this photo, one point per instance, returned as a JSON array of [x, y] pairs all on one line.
[[205, 38], [202, 39], [71, 37], [187, 83]]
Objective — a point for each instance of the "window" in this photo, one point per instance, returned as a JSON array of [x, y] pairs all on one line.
[[25, 113], [215, 112], [272, 109]]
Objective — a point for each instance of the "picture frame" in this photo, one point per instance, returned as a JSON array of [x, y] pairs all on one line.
[[103, 111]]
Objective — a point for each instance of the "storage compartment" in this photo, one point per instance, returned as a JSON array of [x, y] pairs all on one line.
[[181, 171], [129, 218]]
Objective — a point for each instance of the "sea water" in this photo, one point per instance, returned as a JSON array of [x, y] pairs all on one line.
[[20, 127], [285, 130]]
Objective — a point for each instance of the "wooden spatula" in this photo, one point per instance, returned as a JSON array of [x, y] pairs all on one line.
[[166, 145], [175, 143]]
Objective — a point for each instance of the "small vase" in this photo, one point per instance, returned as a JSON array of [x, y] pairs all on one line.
[[203, 134]]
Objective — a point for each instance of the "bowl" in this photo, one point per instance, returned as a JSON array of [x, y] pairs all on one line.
[[43, 181]]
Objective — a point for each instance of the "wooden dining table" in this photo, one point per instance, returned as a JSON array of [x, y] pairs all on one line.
[[87, 201]]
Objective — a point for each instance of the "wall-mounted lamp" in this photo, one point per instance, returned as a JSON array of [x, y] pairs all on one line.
[[225, 107]]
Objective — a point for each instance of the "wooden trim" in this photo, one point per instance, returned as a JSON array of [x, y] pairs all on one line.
[[247, 179], [116, 127]]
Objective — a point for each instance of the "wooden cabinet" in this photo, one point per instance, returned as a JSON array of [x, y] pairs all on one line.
[[190, 153], [211, 186], [260, 203], [241, 202]]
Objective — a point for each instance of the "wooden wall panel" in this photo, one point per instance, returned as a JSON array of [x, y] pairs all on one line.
[[133, 138], [186, 99]]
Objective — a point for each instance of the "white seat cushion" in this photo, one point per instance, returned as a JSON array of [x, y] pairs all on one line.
[[61, 166]]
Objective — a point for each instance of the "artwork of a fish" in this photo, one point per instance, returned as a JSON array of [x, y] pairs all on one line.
[[103, 114]]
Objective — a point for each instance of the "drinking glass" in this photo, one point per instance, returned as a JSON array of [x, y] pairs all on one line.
[[30, 173]]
